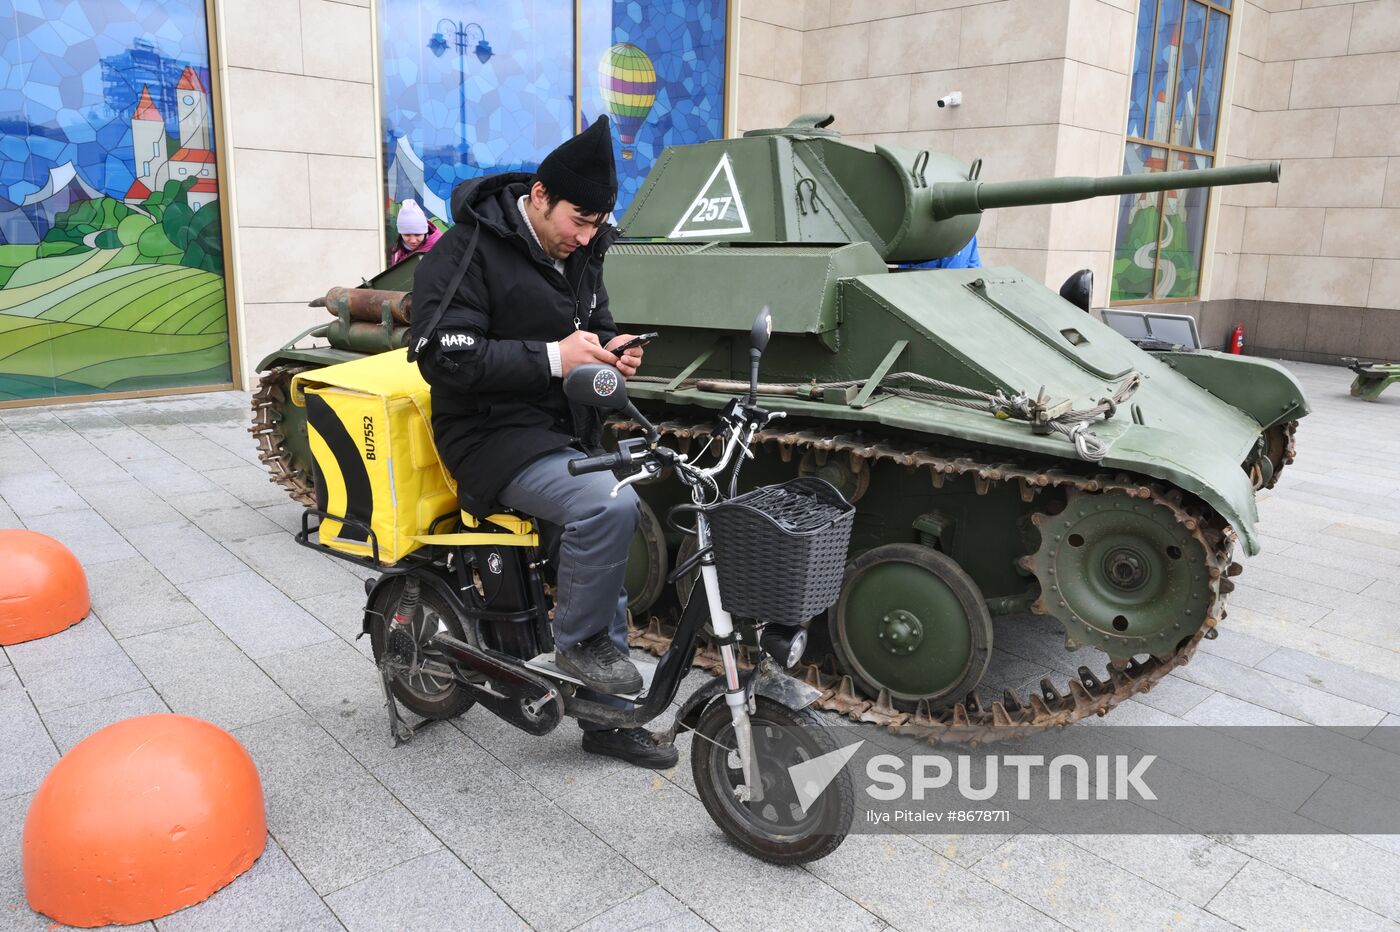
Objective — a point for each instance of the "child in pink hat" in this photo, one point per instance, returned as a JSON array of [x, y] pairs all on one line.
[[416, 234]]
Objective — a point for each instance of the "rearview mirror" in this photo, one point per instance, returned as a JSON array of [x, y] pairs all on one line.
[[596, 385], [758, 342], [762, 330]]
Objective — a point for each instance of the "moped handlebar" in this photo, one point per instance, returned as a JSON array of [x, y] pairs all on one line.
[[601, 463]]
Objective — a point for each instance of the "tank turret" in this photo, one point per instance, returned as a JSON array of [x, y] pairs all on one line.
[[802, 183]]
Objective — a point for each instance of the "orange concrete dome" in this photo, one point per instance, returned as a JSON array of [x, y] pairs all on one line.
[[145, 817], [43, 588]]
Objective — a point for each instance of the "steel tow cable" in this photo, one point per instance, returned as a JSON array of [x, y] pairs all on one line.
[[1072, 424]]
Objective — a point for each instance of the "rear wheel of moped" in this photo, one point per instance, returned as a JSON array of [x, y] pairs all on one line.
[[425, 694], [776, 828]]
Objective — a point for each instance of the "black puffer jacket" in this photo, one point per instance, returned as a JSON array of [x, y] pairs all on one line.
[[495, 406]]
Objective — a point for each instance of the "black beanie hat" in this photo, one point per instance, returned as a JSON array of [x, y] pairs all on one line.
[[581, 169]]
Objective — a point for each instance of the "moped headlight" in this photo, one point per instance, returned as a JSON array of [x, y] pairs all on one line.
[[784, 643]]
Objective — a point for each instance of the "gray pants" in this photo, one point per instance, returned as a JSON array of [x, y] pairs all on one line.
[[598, 530]]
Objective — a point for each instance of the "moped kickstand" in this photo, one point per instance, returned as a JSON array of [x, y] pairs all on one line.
[[400, 732]]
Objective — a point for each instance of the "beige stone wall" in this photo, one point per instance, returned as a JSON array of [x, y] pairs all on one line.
[[769, 78], [1044, 86], [298, 131], [1317, 85]]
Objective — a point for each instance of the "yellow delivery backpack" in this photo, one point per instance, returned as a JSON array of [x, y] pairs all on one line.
[[377, 468]]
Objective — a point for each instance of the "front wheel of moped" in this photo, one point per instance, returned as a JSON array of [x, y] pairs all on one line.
[[776, 828]]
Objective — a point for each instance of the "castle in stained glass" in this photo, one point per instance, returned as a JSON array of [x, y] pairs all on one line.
[[150, 145]]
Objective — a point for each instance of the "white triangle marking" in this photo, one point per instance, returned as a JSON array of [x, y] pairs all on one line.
[[712, 207], [811, 778]]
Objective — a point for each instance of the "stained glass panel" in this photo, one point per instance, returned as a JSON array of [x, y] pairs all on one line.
[[1139, 215], [1216, 35], [482, 88], [1164, 61], [657, 69], [111, 251], [1142, 66], [1160, 236], [471, 89], [1183, 234], [1186, 102]]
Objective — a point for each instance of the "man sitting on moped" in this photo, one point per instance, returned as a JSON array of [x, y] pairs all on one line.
[[522, 272]]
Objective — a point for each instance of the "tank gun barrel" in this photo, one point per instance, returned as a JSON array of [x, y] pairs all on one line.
[[957, 198]]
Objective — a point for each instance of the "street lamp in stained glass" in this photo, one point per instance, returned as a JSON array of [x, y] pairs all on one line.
[[461, 34]]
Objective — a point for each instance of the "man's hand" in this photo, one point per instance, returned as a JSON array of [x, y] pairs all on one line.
[[581, 348], [630, 359]]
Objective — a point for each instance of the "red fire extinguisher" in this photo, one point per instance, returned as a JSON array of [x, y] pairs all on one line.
[[1236, 344]]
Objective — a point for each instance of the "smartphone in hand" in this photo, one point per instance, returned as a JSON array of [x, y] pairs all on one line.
[[642, 340]]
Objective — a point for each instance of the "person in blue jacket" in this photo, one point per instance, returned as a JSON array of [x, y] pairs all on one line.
[[965, 258]]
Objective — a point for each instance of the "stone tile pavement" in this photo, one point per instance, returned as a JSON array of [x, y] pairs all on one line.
[[203, 605]]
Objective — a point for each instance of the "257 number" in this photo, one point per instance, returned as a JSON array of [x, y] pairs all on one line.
[[707, 210]]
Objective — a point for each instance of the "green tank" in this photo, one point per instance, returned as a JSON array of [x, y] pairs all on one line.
[[1007, 452]]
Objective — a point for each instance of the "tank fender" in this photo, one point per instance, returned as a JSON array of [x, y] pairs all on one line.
[[439, 585], [1261, 388], [279, 355], [762, 680]]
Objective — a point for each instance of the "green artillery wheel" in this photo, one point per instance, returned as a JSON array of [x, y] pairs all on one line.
[[647, 563], [1121, 574], [910, 621]]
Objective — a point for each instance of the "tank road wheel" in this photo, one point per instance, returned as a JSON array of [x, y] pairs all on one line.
[[686, 583], [280, 430], [910, 621], [647, 563], [850, 476], [1121, 574]]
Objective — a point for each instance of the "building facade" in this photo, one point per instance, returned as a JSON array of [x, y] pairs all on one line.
[[1309, 266], [269, 167]]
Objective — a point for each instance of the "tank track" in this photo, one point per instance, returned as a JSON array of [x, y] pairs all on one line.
[[1012, 716], [269, 399], [1285, 456]]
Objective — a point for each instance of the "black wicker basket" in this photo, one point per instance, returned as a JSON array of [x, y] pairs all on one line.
[[781, 549]]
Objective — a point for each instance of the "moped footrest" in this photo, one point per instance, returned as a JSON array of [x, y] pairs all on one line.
[[544, 663]]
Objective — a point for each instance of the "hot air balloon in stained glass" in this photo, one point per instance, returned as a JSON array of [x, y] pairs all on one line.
[[627, 80]]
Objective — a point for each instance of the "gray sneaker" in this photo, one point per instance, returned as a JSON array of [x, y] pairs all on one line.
[[600, 665]]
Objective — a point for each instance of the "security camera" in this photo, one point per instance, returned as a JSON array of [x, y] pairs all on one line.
[[951, 100]]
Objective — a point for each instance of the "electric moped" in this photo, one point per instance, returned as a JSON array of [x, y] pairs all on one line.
[[466, 621]]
